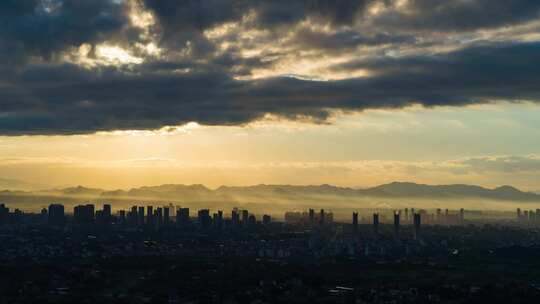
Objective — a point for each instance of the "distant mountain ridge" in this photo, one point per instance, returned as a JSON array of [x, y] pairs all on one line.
[[392, 190]]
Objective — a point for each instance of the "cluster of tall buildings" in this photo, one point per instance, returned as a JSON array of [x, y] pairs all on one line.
[[140, 216], [414, 218], [310, 217], [528, 216]]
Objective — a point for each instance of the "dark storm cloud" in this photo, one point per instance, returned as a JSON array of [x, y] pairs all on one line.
[[50, 96], [445, 15], [340, 40], [68, 99], [42, 28]]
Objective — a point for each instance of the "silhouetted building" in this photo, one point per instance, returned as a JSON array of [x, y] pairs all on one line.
[[417, 221], [396, 224], [252, 221], [311, 217], [122, 217], [166, 215], [182, 216], [140, 216], [321, 217], [376, 223], [43, 215], [107, 211], [106, 214], [4, 213], [245, 216], [83, 214], [150, 215], [159, 216], [56, 214], [461, 216], [235, 218], [267, 219], [355, 222], [218, 219], [204, 218]]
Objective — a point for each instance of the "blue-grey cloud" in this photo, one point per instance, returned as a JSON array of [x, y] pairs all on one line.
[[41, 93]]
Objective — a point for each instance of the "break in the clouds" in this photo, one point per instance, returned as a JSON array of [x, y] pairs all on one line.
[[81, 66]]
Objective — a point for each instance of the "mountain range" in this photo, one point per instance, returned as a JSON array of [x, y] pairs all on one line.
[[392, 190]]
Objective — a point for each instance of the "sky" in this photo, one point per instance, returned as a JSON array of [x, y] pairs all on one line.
[[124, 93]]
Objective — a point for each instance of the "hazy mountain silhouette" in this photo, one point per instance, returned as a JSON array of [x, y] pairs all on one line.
[[269, 193], [406, 189]]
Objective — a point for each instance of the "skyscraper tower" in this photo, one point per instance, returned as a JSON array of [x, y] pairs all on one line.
[[311, 217], [396, 224], [150, 215], [376, 223], [321, 218], [406, 215], [140, 216], [417, 221], [355, 222], [245, 216], [166, 215], [462, 216], [56, 214]]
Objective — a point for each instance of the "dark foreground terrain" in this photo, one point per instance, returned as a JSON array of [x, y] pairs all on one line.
[[224, 261]]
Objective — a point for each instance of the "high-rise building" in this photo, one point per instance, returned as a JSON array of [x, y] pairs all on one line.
[[218, 219], [150, 215], [235, 218], [406, 215], [461, 216], [159, 216], [121, 216], [43, 214], [355, 222], [267, 219], [396, 224], [252, 221], [182, 216], [311, 217], [417, 221], [83, 214], [518, 213], [322, 217], [204, 218], [106, 214], [4, 213], [56, 214], [166, 215], [376, 223], [245, 215], [107, 211], [140, 216]]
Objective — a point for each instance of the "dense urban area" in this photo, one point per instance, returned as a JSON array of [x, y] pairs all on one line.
[[166, 254]]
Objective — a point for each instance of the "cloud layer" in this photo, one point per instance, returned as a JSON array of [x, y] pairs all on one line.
[[74, 67]]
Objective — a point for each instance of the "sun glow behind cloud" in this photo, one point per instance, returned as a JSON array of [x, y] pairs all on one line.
[[376, 146]]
